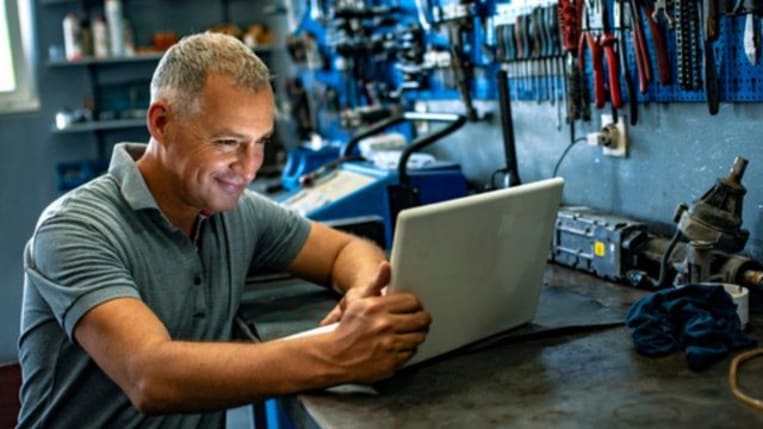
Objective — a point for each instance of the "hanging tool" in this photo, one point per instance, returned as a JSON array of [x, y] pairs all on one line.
[[457, 29], [608, 41], [571, 21], [587, 39], [619, 20], [687, 45], [552, 23], [643, 61], [751, 39], [658, 40], [536, 41], [661, 9], [710, 32], [601, 45]]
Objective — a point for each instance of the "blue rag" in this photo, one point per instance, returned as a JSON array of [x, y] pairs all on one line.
[[701, 320]]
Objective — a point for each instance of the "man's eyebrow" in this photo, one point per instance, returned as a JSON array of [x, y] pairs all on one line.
[[267, 135], [226, 132]]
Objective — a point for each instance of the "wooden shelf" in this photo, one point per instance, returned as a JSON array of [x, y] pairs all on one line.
[[116, 124]]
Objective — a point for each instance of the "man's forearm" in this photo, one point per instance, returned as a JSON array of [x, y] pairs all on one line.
[[193, 377], [357, 264]]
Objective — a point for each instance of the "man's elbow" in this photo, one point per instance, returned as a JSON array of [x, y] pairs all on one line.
[[153, 396]]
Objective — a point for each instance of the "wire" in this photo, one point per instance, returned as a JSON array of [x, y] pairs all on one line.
[[756, 403], [566, 150]]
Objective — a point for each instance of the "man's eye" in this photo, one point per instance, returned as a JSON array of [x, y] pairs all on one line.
[[265, 141], [227, 143]]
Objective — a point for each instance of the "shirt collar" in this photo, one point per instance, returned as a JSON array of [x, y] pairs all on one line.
[[123, 168]]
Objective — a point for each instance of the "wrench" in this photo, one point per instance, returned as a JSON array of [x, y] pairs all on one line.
[[661, 6]]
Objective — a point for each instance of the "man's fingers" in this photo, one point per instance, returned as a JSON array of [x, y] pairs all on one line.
[[383, 276], [409, 341], [332, 317], [411, 323], [402, 302]]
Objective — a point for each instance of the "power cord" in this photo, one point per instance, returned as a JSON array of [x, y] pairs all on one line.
[[566, 150], [756, 403]]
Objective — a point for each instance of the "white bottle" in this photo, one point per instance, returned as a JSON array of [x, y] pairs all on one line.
[[100, 38], [72, 42], [115, 22]]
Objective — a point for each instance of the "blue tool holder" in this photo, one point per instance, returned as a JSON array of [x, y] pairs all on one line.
[[740, 81]]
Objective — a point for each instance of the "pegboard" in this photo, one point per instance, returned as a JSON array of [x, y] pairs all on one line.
[[740, 81]]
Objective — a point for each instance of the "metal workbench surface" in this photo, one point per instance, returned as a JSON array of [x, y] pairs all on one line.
[[572, 367]]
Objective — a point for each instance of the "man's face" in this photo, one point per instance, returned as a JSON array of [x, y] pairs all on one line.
[[212, 156]]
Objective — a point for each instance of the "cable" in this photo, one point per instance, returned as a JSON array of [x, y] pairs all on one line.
[[566, 150], [665, 258], [756, 403]]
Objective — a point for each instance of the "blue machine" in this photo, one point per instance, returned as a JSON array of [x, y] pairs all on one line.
[[359, 188], [302, 160]]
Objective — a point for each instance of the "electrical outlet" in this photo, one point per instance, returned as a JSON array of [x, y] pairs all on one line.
[[612, 138]]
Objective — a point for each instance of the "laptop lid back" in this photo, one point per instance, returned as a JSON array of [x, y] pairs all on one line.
[[476, 263]]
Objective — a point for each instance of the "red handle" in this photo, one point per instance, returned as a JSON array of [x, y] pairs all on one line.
[[608, 41], [598, 71], [640, 48], [663, 65], [642, 83]]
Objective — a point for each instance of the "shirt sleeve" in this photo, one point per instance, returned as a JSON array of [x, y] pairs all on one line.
[[75, 269], [280, 234]]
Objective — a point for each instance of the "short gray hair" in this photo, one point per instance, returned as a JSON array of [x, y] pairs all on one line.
[[185, 66]]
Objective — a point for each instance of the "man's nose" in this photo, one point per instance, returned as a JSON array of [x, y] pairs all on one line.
[[249, 161]]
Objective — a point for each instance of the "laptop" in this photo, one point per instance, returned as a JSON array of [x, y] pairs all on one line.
[[476, 263]]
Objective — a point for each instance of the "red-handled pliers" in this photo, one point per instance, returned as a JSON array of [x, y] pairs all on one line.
[[605, 43], [589, 40]]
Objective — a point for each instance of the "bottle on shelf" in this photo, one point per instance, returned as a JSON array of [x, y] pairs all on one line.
[[72, 40], [100, 38], [115, 22]]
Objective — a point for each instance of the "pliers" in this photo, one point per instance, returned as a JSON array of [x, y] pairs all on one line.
[[601, 45]]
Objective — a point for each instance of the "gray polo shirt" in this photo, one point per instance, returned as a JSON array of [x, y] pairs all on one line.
[[108, 239]]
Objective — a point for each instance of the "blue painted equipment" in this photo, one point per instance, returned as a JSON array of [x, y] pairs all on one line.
[[302, 160], [359, 188]]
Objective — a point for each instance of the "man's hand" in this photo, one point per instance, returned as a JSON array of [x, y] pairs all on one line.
[[375, 288], [377, 333]]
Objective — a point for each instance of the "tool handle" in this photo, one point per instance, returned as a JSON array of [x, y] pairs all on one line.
[[712, 83], [642, 82], [640, 47], [511, 44], [663, 64], [598, 70], [632, 101], [608, 41], [569, 24], [518, 38]]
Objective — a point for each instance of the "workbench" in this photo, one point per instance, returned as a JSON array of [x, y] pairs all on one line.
[[573, 366]]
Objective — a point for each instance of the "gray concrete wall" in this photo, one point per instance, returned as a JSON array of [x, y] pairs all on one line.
[[676, 153]]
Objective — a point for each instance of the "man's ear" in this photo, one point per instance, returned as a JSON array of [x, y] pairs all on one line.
[[157, 119]]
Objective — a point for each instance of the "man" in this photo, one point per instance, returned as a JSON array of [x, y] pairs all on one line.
[[132, 280]]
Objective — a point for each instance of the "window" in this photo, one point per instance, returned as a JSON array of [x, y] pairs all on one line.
[[18, 90]]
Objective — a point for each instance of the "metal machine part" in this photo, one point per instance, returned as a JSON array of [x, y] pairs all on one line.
[[622, 249], [599, 243], [717, 215], [349, 187]]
